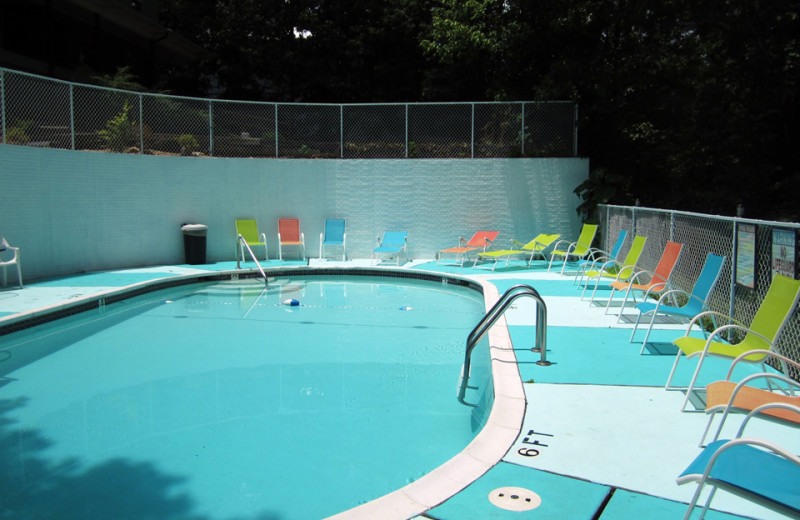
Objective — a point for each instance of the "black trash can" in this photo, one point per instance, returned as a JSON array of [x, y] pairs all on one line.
[[194, 243]]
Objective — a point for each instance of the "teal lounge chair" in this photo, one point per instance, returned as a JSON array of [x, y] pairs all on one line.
[[393, 243], [755, 469], [696, 303]]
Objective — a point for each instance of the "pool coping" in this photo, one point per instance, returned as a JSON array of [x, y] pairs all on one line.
[[487, 448]]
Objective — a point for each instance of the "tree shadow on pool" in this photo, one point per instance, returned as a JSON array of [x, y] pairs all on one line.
[[31, 486]]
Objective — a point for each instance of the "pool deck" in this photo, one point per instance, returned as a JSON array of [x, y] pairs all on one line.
[[594, 435]]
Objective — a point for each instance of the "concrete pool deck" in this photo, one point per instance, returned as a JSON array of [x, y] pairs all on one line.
[[600, 438]]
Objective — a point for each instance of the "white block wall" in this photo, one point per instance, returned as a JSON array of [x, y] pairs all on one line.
[[73, 211]]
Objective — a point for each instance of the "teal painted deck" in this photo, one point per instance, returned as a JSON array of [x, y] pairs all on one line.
[[608, 439]]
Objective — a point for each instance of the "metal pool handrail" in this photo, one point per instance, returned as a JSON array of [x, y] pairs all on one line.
[[241, 239], [492, 316]]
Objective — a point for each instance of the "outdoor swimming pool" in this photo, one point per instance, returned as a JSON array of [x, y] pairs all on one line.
[[220, 401]]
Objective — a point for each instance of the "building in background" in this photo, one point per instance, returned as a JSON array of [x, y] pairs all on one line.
[[76, 39]]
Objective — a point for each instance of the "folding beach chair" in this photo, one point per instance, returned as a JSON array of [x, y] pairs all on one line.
[[696, 300], [614, 269], [248, 230], [579, 249], [333, 236], [725, 396], [393, 243], [598, 257], [646, 282], [755, 469], [289, 235], [480, 240], [762, 334], [535, 247]]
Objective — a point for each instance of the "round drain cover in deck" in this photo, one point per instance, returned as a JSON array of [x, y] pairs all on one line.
[[515, 499]]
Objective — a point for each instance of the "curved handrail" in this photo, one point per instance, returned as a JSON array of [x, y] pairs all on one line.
[[493, 315], [241, 239]]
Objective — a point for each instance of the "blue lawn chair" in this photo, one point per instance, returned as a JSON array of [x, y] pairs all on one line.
[[394, 242], [333, 236], [697, 299], [755, 469]]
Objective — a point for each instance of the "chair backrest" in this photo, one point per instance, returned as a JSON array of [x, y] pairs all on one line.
[[631, 259], [481, 238], [334, 230], [248, 229], [623, 234], [394, 238], [705, 283], [776, 307], [540, 242], [635, 251], [289, 228], [669, 259], [585, 239]]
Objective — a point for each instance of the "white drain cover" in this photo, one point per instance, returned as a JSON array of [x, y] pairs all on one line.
[[515, 499]]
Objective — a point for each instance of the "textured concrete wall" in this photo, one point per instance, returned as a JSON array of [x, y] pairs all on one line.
[[73, 211]]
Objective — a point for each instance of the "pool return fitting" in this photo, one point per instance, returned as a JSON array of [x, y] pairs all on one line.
[[243, 242], [493, 315]]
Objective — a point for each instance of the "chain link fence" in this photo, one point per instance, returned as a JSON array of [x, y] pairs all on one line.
[[39, 111], [702, 234]]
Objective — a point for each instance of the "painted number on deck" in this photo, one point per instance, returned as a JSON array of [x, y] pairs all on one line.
[[533, 440]]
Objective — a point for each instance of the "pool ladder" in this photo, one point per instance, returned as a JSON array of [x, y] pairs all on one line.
[[241, 239], [493, 315]]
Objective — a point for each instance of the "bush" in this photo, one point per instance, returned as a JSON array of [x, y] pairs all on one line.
[[120, 132], [187, 143]]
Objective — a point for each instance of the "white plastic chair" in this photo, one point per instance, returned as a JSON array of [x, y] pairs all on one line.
[[4, 246]]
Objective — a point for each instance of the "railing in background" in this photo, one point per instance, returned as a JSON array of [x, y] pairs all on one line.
[[702, 234], [40, 111]]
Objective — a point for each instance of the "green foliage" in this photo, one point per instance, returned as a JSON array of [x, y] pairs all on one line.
[[120, 132], [682, 104], [601, 187], [18, 132], [122, 79], [187, 143]]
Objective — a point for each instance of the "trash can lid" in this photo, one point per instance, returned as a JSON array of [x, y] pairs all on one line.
[[194, 227]]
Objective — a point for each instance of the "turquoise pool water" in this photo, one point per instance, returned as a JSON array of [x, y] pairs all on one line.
[[220, 401]]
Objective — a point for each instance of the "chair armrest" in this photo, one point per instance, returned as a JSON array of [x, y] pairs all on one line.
[[712, 314], [757, 410], [637, 276], [768, 353], [569, 244], [675, 290], [655, 288], [623, 269]]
